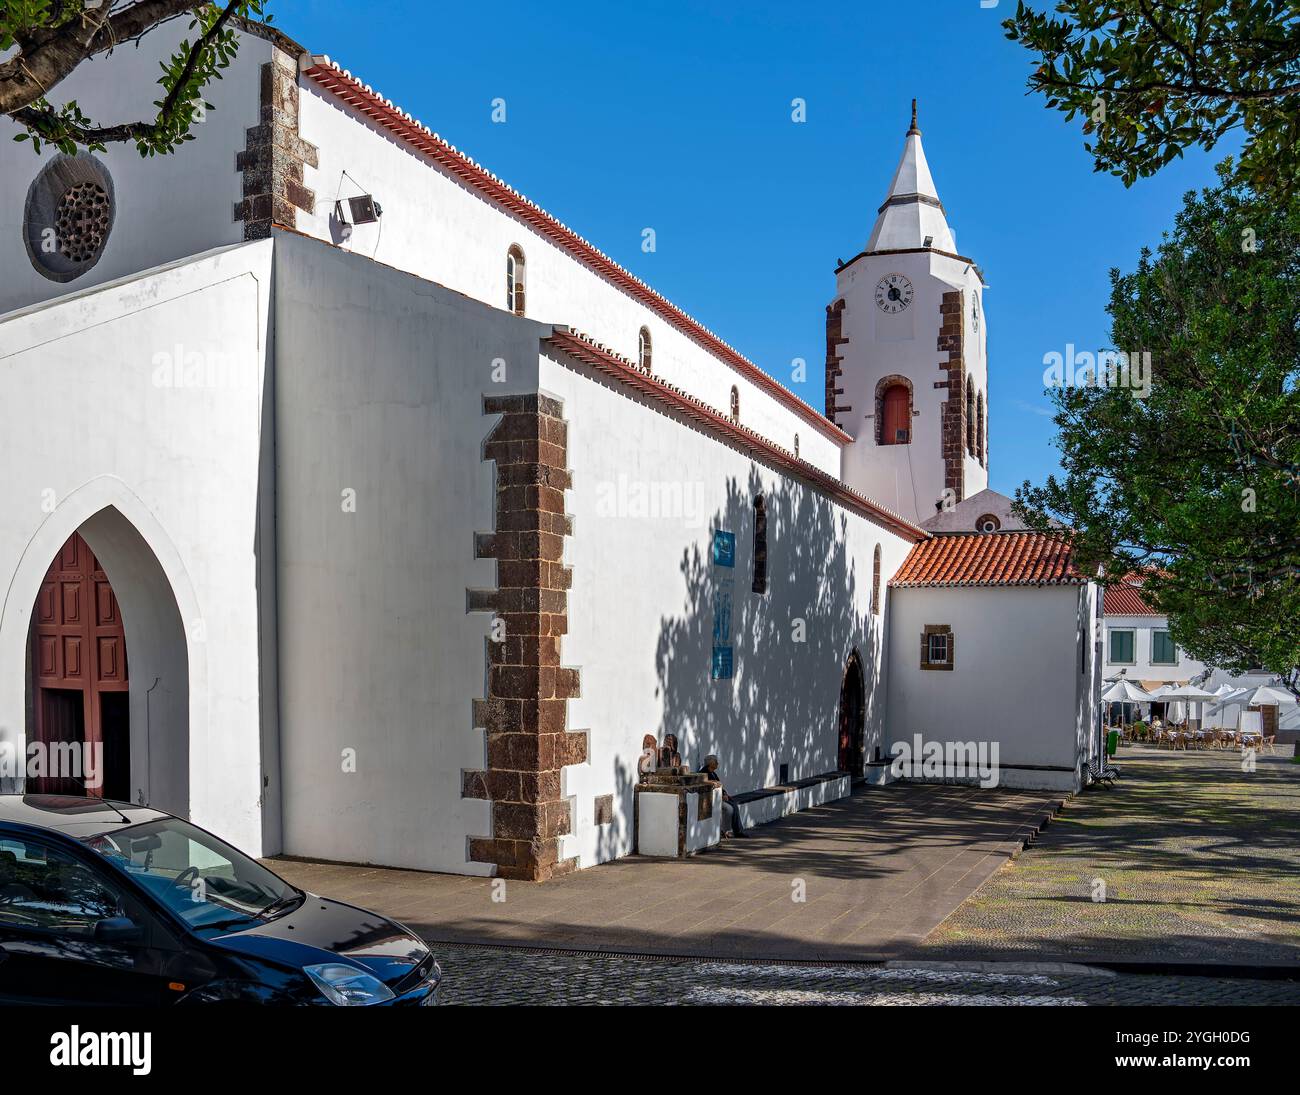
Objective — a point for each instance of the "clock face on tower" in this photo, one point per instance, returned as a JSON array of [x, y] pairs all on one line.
[[893, 293]]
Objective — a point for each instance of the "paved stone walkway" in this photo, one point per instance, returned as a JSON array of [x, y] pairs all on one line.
[[1200, 862], [864, 878], [475, 975]]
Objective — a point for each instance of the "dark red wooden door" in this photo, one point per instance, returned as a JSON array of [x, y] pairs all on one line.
[[852, 716], [896, 427], [78, 658]]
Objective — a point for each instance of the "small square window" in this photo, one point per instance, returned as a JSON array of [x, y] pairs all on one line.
[[936, 647]]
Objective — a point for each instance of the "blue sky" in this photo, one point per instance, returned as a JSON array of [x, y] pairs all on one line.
[[677, 117]]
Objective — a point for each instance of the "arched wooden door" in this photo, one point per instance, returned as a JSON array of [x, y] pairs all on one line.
[[80, 687], [853, 709]]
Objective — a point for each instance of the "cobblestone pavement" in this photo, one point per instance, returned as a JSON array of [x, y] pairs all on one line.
[[477, 975], [1200, 862]]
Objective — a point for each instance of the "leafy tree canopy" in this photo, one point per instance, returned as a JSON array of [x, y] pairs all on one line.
[[1198, 483], [43, 41], [1151, 79]]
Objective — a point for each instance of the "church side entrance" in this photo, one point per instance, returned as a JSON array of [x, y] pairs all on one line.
[[853, 709], [79, 669]]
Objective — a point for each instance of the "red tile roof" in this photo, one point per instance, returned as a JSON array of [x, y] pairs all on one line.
[[329, 75], [989, 559], [1126, 600]]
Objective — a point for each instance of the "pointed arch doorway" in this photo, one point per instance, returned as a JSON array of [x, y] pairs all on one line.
[[852, 717], [126, 553], [80, 684]]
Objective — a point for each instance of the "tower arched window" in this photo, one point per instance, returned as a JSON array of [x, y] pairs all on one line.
[[515, 279], [796, 444], [644, 349], [979, 427], [760, 545], [875, 582], [735, 404], [894, 411], [970, 416]]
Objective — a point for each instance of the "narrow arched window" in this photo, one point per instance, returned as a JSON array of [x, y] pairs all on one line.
[[896, 416], [735, 404], [643, 349], [979, 427], [515, 280], [970, 416], [875, 583], [760, 545], [796, 444]]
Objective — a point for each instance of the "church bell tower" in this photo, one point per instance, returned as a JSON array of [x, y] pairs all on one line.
[[906, 372]]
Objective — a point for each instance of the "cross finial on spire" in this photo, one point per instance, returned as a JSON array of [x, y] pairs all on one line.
[[913, 129]]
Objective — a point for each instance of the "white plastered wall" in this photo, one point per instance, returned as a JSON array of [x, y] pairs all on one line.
[[1018, 678], [436, 227], [167, 207], [641, 609], [163, 472], [380, 386]]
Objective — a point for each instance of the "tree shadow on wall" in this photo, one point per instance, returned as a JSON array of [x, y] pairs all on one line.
[[781, 705]]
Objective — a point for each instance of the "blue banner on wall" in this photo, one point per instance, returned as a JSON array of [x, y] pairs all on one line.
[[724, 549], [724, 555]]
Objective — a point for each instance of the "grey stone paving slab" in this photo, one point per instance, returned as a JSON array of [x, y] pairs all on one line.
[[880, 870]]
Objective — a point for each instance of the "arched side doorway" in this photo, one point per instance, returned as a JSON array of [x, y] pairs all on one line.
[[80, 686], [852, 722], [166, 686]]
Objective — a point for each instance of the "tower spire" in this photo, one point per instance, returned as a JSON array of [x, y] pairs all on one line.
[[912, 215]]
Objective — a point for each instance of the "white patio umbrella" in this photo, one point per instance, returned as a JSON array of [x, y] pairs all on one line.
[[1189, 694], [1125, 692], [1228, 697], [1270, 696]]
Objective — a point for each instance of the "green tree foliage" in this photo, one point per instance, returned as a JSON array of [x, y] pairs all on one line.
[[1150, 79], [1198, 483], [43, 42]]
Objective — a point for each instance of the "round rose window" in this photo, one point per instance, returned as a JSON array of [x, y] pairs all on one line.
[[69, 216]]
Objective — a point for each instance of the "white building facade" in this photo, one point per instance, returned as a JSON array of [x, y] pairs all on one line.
[[386, 535]]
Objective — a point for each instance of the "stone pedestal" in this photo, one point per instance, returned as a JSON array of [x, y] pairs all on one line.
[[677, 819]]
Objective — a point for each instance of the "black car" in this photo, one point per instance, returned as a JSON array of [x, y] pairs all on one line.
[[107, 903]]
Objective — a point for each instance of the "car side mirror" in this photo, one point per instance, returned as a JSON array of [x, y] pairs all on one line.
[[118, 929]]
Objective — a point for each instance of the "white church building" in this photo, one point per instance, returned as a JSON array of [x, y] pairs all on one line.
[[359, 509]]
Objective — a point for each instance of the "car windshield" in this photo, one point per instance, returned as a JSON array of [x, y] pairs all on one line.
[[205, 881]]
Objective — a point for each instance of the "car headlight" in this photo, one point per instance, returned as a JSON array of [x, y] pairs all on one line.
[[348, 986]]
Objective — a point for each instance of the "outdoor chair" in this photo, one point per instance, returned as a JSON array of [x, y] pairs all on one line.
[[1099, 773]]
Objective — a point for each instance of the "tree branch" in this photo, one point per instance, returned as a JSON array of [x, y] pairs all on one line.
[[31, 75]]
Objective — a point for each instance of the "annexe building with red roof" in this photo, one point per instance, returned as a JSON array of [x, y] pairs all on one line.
[[1005, 644]]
